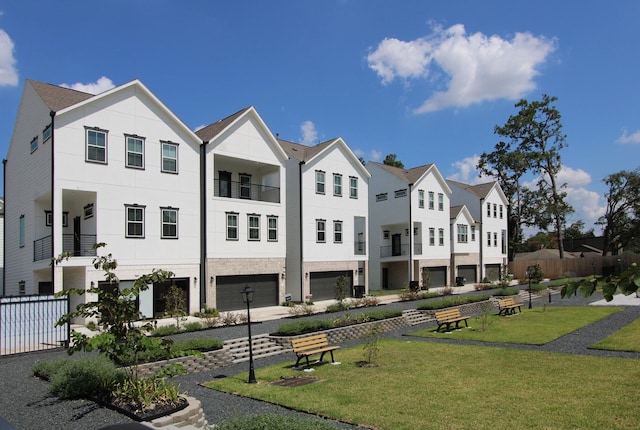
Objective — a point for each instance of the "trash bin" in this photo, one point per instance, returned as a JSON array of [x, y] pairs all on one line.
[[460, 281], [414, 285], [358, 291]]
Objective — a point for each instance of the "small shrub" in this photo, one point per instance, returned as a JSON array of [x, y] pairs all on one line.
[[91, 325], [366, 301], [288, 304], [166, 330], [207, 313], [408, 295], [372, 344], [46, 369], [228, 318], [482, 287], [338, 307], [485, 280], [85, 377], [340, 289], [198, 344], [446, 291], [451, 301], [192, 326], [507, 292], [427, 295], [301, 327], [243, 318]]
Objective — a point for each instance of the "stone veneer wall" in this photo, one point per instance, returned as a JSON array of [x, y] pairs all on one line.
[[191, 416]]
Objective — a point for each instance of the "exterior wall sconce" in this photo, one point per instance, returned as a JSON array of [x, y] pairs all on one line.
[[406, 232], [211, 279], [306, 275]]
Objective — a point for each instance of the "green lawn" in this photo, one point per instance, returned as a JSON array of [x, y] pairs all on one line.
[[627, 339], [533, 326], [425, 385]]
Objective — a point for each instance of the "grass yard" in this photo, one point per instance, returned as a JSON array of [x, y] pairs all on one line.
[[425, 385], [533, 326], [627, 339]]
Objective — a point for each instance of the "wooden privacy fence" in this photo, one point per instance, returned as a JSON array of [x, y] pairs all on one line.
[[571, 267]]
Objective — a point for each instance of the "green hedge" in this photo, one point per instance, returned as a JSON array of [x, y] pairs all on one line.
[[309, 326], [451, 301], [507, 292]]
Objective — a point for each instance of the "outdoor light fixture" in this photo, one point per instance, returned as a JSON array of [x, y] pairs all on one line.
[[529, 277], [247, 297]]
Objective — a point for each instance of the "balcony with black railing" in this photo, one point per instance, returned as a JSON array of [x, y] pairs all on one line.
[[246, 191], [76, 245], [395, 251]]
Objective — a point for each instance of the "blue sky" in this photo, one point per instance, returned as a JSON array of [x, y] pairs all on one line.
[[426, 80]]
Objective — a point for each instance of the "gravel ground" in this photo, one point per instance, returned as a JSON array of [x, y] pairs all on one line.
[[25, 401]]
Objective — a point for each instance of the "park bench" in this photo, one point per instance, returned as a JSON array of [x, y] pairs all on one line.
[[310, 345], [450, 316], [507, 306]]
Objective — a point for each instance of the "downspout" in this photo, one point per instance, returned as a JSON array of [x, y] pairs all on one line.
[[410, 238], [52, 114], [300, 224], [203, 225], [481, 238], [4, 225]]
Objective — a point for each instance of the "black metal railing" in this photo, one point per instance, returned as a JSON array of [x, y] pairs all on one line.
[[27, 323], [83, 246], [237, 190], [394, 251]]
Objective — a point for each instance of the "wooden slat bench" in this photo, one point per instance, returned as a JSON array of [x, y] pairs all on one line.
[[450, 316], [310, 345], [507, 306]]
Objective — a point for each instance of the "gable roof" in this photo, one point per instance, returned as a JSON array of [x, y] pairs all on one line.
[[57, 98], [305, 154], [480, 190], [456, 211], [413, 175], [212, 130]]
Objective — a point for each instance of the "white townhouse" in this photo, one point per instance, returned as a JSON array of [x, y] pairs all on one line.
[[465, 246], [244, 202], [327, 219], [410, 226], [117, 168], [488, 206]]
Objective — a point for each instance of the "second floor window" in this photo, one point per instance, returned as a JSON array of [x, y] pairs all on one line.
[[245, 186], [495, 210], [46, 133], [462, 233], [254, 226], [440, 201], [501, 209], [321, 227], [431, 200], [337, 231], [432, 236], [96, 146], [21, 232], [473, 233], [353, 187], [232, 226], [489, 209], [135, 221], [169, 157], [169, 223], [441, 237], [272, 228], [135, 152], [319, 182], [421, 199], [337, 185]]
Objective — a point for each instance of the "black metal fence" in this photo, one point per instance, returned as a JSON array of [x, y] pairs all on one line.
[[27, 323]]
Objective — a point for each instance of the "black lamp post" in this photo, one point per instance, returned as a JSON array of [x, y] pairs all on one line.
[[247, 297], [619, 266], [593, 265], [529, 277]]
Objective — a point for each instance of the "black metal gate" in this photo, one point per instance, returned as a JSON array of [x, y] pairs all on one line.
[[27, 323]]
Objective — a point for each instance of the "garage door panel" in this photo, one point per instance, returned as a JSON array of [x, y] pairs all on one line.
[[229, 291], [469, 273], [438, 276], [322, 284]]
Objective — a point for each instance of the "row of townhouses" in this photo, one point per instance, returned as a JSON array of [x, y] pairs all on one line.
[[223, 207]]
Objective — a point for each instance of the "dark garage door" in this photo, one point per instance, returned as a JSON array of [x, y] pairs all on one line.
[[322, 284], [229, 289], [438, 276], [492, 272], [468, 273]]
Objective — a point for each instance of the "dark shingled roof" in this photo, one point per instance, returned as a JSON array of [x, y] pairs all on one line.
[[57, 98], [454, 211], [303, 152], [212, 130], [410, 176], [480, 190]]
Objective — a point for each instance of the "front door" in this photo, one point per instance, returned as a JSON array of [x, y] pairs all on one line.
[[395, 244], [76, 236]]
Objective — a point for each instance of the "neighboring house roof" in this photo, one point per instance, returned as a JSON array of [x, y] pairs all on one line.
[[413, 175], [584, 244], [543, 254], [480, 190], [212, 130], [305, 154], [455, 211], [57, 98]]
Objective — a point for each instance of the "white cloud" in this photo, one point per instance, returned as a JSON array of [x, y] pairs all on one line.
[[629, 138], [8, 71], [466, 171], [475, 67], [375, 155], [573, 177], [309, 133], [101, 85]]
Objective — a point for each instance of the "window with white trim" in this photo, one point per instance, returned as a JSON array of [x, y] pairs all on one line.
[[245, 186], [440, 201], [48, 216], [319, 182], [169, 157], [495, 239], [169, 223], [495, 210], [21, 232], [503, 236], [462, 233], [135, 221], [431, 200], [488, 238], [253, 224], [501, 210], [337, 231], [321, 229], [441, 236], [135, 152], [473, 233], [232, 225], [432, 236], [353, 187], [22, 288], [337, 184], [96, 142], [272, 228], [421, 199], [489, 210]]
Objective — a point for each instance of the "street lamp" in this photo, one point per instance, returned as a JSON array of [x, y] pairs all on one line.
[[247, 297], [529, 277]]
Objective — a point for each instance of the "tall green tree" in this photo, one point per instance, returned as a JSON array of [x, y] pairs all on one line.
[[392, 160], [577, 231], [536, 133], [621, 220]]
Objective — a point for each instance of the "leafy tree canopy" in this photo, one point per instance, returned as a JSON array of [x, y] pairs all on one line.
[[391, 160]]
